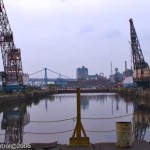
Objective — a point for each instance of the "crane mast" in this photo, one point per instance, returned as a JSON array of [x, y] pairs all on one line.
[[11, 56], [141, 75]]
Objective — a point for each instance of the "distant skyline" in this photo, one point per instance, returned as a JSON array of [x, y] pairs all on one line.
[[63, 35]]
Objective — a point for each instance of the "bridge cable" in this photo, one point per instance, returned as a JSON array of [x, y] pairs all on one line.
[[36, 72], [58, 73]]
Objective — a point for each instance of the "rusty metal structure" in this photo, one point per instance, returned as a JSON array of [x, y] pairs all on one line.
[[141, 75], [11, 56]]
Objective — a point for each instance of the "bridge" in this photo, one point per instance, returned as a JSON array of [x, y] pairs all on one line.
[[50, 80], [60, 82]]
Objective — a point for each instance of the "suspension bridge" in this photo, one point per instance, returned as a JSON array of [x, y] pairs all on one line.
[[64, 82], [60, 80]]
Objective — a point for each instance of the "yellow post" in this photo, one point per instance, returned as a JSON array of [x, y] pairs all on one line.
[[78, 113], [77, 139]]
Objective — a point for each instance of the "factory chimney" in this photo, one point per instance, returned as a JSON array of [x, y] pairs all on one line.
[[125, 65]]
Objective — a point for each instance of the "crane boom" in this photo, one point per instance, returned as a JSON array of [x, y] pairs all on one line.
[[138, 58], [141, 75]]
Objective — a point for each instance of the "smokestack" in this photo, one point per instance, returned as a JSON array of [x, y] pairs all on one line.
[[125, 65]]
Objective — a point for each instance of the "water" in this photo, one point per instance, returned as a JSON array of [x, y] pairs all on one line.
[[63, 106]]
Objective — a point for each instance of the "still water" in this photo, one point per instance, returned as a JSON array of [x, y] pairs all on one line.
[[36, 116]]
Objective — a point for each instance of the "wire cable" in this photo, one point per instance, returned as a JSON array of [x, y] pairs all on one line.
[[49, 132], [108, 117], [51, 121], [59, 132], [101, 131]]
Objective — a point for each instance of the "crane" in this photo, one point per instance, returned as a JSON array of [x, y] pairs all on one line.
[[13, 76], [141, 75]]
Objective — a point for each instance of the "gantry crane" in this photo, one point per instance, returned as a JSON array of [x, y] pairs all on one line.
[[141, 75], [12, 77]]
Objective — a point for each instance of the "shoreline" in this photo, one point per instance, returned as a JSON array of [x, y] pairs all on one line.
[[145, 94]]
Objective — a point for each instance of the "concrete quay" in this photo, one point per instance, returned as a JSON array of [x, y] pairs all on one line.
[[108, 146], [96, 146], [103, 146]]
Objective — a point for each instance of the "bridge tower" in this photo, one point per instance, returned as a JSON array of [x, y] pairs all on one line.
[[45, 76]]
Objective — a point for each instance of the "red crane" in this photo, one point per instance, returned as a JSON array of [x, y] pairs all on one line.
[[12, 77]]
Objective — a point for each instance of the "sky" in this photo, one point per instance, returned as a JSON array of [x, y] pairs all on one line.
[[62, 35]]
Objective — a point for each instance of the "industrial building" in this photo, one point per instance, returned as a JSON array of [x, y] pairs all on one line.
[[82, 73], [85, 80]]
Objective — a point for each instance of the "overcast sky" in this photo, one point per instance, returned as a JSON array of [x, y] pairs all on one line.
[[63, 35]]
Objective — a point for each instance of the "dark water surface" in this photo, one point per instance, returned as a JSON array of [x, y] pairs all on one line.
[[63, 106]]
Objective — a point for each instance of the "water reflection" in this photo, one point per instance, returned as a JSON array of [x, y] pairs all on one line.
[[84, 103], [13, 122], [141, 120], [16, 117], [85, 98]]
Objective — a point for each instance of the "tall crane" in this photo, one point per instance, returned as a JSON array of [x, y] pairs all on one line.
[[12, 77], [141, 74]]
